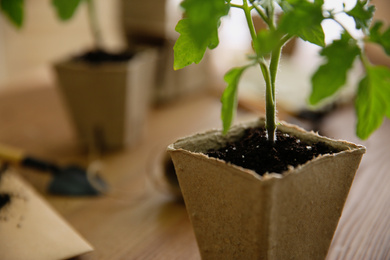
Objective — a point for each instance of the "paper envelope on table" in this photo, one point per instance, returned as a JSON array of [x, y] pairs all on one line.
[[30, 228]]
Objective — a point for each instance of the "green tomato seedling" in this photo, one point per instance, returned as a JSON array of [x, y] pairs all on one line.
[[298, 19], [66, 9]]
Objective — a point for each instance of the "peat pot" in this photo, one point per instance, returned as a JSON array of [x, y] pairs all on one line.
[[238, 214], [108, 102], [152, 22]]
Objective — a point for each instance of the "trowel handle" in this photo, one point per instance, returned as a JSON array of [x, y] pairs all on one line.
[[10, 154], [16, 156]]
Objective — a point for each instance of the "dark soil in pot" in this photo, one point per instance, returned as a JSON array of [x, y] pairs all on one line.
[[101, 56], [5, 199], [254, 152]]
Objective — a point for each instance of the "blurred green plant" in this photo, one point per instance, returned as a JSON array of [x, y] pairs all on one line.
[[14, 11], [298, 19], [66, 9]]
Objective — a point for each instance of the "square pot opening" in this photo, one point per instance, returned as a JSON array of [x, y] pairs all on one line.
[[214, 140]]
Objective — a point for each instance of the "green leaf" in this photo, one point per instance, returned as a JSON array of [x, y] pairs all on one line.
[[303, 19], [362, 13], [204, 19], [14, 10], [266, 41], [65, 8], [230, 96], [388, 112], [380, 38], [332, 75], [372, 102], [198, 30], [185, 50]]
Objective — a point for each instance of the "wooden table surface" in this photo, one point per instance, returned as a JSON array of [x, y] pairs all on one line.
[[138, 219]]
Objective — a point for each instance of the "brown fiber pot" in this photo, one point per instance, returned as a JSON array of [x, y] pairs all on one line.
[[108, 103], [237, 214]]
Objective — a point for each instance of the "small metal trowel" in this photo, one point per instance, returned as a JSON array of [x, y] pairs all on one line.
[[71, 180]]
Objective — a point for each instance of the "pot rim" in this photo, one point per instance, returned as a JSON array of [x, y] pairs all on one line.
[[106, 66], [214, 138]]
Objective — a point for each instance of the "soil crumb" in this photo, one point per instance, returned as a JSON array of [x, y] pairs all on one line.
[[5, 199]]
